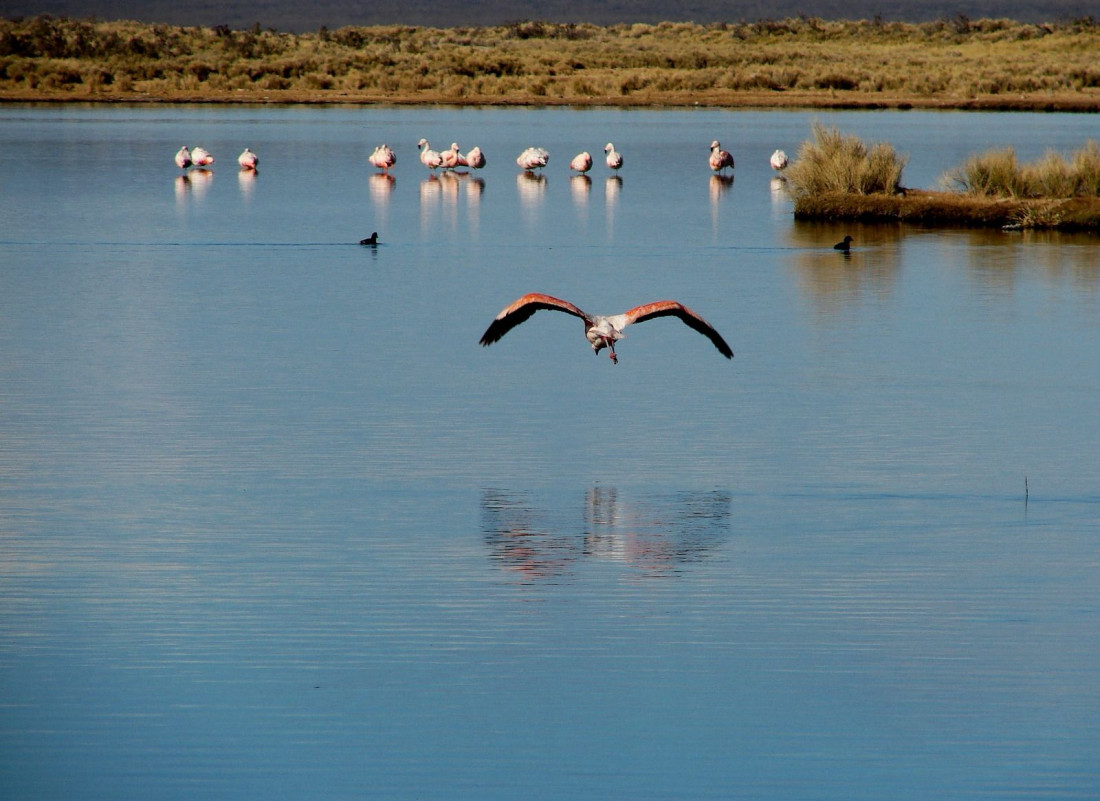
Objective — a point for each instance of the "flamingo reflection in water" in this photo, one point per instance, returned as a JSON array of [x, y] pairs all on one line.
[[531, 188], [657, 535], [246, 182], [719, 186], [580, 187]]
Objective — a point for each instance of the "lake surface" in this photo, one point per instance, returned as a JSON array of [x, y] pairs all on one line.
[[272, 525]]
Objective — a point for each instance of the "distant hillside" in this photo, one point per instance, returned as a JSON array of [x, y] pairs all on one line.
[[297, 16]]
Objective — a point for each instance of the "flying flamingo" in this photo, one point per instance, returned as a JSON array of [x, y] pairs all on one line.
[[533, 158], [183, 158], [614, 159], [383, 157], [475, 159], [582, 162], [719, 159], [430, 158], [778, 160], [601, 332], [248, 160], [452, 158], [200, 158]]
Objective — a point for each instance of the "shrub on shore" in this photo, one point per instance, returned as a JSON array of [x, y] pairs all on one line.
[[833, 162], [838, 177], [998, 174]]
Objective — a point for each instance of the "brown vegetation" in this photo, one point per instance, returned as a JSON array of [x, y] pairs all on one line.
[[805, 62], [837, 177]]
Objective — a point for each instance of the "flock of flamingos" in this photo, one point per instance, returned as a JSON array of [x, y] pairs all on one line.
[[532, 158], [535, 158], [601, 331]]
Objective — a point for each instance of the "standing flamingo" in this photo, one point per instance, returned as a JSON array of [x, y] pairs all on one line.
[[533, 158], [614, 159], [450, 159], [428, 157], [601, 332], [475, 159], [183, 158], [200, 158], [383, 157], [248, 160], [719, 159], [582, 162], [778, 160]]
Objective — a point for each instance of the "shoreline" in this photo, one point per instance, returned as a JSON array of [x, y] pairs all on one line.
[[932, 209]]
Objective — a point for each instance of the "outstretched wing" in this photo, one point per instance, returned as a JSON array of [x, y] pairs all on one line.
[[521, 310], [670, 308]]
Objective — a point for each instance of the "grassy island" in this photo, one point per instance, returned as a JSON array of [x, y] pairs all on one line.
[[806, 62], [837, 177]]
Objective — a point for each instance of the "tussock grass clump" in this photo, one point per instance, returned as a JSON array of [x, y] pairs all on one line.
[[833, 162], [998, 174]]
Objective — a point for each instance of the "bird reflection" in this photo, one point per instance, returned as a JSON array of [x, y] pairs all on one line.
[[475, 188], [580, 186], [612, 188], [246, 181], [380, 185], [431, 191], [656, 536], [448, 182], [719, 185], [192, 186], [532, 191]]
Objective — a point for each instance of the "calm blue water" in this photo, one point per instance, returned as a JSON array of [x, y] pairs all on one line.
[[272, 525]]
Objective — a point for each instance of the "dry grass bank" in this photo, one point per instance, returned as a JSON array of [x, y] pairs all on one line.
[[837, 177], [806, 62]]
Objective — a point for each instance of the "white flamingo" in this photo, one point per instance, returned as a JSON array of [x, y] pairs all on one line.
[[383, 157], [475, 159], [614, 159], [600, 331], [200, 157], [183, 158], [428, 157], [450, 159], [778, 160], [248, 160], [719, 159], [582, 162], [533, 158]]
